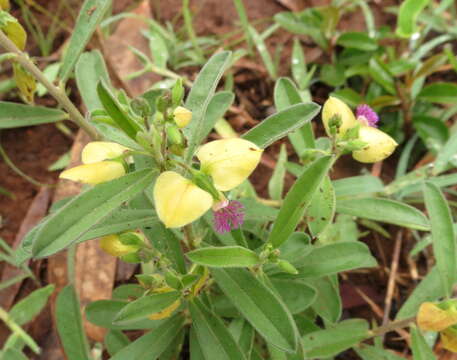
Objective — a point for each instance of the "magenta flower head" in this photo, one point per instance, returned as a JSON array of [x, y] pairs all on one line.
[[228, 215], [367, 115]]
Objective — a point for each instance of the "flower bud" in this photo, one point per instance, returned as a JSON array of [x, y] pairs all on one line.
[[229, 161], [432, 318], [379, 145], [95, 173], [96, 151], [112, 245], [178, 200], [334, 108], [287, 267], [174, 135], [182, 116]]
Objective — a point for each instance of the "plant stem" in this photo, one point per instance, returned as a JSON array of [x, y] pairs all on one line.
[[190, 236], [391, 326], [56, 92]]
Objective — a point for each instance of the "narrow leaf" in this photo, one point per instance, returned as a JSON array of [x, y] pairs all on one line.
[[420, 348], [407, 16], [14, 115], [227, 256]]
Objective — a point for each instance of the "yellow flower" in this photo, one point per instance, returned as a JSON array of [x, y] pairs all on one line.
[[178, 200], [182, 116], [113, 246], [432, 318], [335, 107], [449, 339], [379, 145], [229, 161], [96, 166]]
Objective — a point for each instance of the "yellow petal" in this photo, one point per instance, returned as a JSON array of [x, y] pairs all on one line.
[[16, 33], [113, 246], [229, 161], [334, 106], [97, 151], [449, 339], [431, 318], [178, 200], [94, 173], [182, 116], [380, 145], [166, 312]]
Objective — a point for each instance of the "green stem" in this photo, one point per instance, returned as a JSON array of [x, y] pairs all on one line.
[[16, 329], [56, 92]]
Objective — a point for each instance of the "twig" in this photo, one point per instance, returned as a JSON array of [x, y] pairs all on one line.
[[392, 276], [56, 92], [392, 326]]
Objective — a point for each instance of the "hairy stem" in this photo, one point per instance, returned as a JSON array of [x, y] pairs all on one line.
[[58, 93]]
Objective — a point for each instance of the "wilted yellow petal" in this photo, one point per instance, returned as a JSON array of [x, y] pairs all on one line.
[[166, 312], [96, 151], [5, 5], [182, 116], [431, 318], [94, 173], [380, 145], [178, 200], [229, 161], [16, 33], [113, 246], [449, 339], [334, 106], [25, 82]]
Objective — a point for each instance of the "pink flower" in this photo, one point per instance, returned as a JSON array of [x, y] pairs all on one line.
[[228, 215], [367, 115]]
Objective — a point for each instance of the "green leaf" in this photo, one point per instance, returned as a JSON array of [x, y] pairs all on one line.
[[276, 183], [115, 110], [381, 75], [439, 92], [226, 256], [69, 325], [429, 289], [14, 115], [357, 40], [333, 75], [298, 66], [115, 340], [89, 70], [103, 312], [407, 16], [298, 199], [286, 95], [263, 51], [328, 304], [12, 354], [259, 305], [199, 99], [384, 210], [297, 295], [71, 222], [114, 134], [244, 334], [336, 339], [29, 307], [217, 107], [443, 236], [144, 306], [280, 124], [420, 348], [196, 352], [322, 208], [357, 185], [446, 154], [333, 258], [367, 352], [215, 341], [90, 15], [154, 343]]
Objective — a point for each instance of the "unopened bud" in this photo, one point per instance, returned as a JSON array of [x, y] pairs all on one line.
[[182, 116]]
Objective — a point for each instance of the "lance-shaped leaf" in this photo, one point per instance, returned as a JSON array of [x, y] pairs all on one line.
[[144, 306], [215, 341], [282, 123], [443, 236], [154, 343], [14, 115], [71, 222], [89, 17], [384, 210], [199, 99], [407, 16], [259, 305], [420, 348], [298, 199], [226, 256]]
